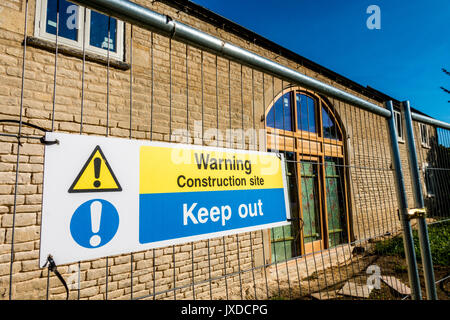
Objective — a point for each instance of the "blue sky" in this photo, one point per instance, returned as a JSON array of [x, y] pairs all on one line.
[[402, 59]]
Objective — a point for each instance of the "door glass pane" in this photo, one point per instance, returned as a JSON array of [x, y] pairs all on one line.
[[280, 115], [281, 239], [337, 230], [68, 19], [310, 202], [285, 240], [306, 113], [99, 31]]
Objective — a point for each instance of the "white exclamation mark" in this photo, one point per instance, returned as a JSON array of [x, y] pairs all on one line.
[[96, 214]]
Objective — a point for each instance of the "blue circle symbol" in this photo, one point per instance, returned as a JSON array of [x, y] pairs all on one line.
[[94, 223]]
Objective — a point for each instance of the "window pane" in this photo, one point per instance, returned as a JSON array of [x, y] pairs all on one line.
[[398, 125], [68, 19], [330, 129], [99, 31], [337, 230], [280, 115], [306, 113], [421, 132], [424, 134]]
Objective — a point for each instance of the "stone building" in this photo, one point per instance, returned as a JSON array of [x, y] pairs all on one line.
[[149, 86]]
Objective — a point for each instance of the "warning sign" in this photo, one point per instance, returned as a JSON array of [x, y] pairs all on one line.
[[96, 175], [170, 193]]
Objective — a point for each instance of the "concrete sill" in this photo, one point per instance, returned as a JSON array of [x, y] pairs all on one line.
[[72, 52]]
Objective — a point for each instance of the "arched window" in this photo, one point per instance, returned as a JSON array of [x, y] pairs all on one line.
[[304, 127]]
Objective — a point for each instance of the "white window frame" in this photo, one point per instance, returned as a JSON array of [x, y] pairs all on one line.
[[400, 135], [424, 128], [83, 33]]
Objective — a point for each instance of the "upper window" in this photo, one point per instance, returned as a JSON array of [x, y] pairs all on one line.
[[399, 126], [424, 137], [280, 116], [306, 111], [74, 25], [330, 129], [297, 111]]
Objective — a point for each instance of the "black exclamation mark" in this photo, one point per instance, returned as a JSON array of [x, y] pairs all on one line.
[[97, 166]]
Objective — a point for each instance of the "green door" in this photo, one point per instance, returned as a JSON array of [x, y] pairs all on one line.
[[310, 202]]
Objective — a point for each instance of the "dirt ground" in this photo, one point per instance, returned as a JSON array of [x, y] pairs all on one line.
[[325, 284], [328, 282]]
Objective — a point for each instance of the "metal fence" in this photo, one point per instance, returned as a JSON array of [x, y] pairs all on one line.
[[343, 171]]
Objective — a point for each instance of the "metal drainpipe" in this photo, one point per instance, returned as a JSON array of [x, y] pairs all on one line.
[[408, 242], [425, 251]]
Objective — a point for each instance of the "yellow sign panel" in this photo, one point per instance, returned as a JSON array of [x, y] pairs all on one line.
[[173, 169], [96, 175]]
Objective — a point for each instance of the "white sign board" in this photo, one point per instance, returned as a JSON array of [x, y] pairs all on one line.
[[109, 196]]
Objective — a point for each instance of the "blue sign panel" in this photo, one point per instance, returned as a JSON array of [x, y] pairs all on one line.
[[168, 216]]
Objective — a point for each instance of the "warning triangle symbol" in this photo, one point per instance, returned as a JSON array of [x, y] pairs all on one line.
[[96, 175]]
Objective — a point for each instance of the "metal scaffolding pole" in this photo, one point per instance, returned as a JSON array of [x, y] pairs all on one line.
[[403, 209], [419, 203]]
